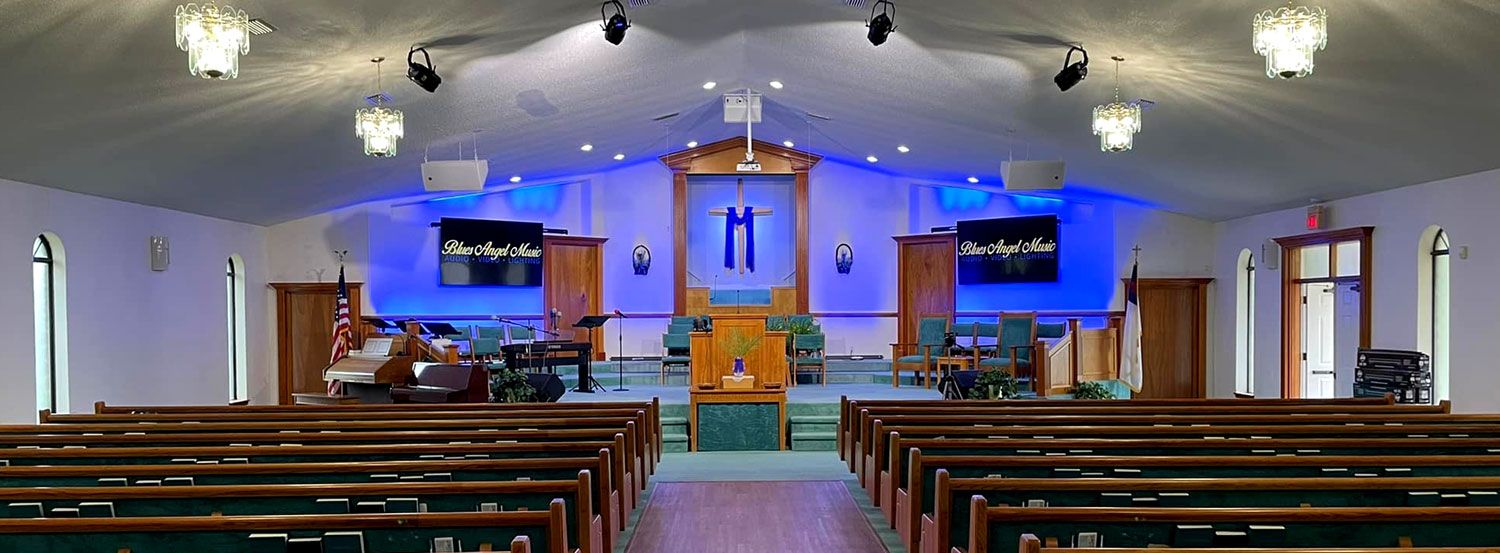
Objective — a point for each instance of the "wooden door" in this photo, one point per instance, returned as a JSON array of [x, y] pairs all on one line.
[[1174, 337], [304, 334], [573, 284], [925, 280]]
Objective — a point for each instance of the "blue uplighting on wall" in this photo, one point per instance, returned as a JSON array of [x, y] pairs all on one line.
[[538, 199], [960, 199]]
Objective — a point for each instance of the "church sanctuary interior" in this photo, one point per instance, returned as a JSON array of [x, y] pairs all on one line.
[[749, 276]]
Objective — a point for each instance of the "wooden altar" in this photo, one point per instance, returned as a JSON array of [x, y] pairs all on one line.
[[711, 361]]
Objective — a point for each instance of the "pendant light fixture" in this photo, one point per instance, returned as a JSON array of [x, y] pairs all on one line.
[[1117, 122], [214, 37], [380, 127], [1288, 37]]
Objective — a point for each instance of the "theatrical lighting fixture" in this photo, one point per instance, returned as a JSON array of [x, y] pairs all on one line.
[[424, 75], [619, 157], [710, 85], [777, 85], [1072, 72], [903, 149], [586, 147], [872, 159], [614, 25], [881, 26], [789, 144], [1117, 122], [214, 37], [380, 127], [1288, 37], [515, 179]]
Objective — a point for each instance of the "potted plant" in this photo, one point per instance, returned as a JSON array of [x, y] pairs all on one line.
[[739, 345], [1092, 390], [993, 384], [511, 386]]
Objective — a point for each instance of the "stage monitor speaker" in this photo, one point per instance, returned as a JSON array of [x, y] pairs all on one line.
[[1033, 175], [549, 388], [463, 175]]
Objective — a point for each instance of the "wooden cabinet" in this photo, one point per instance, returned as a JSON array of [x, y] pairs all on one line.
[[304, 334], [1174, 337]]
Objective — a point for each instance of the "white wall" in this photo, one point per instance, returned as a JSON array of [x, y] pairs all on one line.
[[134, 336], [1464, 206]]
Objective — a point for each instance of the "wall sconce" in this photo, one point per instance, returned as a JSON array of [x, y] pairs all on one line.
[[843, 258], [640, 259]]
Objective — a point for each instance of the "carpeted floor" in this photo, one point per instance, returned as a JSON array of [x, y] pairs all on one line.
[[774, 469]]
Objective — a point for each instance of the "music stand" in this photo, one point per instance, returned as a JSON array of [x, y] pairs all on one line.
[[592, 322], [440, 329], [381, 324]]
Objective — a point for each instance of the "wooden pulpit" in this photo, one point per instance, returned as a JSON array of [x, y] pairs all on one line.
[[711, 360]]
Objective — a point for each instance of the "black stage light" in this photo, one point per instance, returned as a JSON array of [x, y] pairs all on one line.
[[614, 25], [881, 26], [424, 75], [1072, 73]]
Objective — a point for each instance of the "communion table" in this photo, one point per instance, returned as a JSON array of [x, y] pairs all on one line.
[[749, 417]]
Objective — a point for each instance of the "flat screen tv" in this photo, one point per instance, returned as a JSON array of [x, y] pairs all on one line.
[[1012, 249], [479, 252]]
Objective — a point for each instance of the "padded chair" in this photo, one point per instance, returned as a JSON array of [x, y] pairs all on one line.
[[683, 329], [520, 335], [1015, 347], [808, 354], [485, 343], [681, 320], [678, 353], [923, 354]]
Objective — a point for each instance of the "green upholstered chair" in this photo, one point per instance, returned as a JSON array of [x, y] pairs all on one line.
[[808, 353], [777, 322], [683, 329], [1016, 346], [678, 353], [683, 320], [521, 335], [922, 354], [800, 319]]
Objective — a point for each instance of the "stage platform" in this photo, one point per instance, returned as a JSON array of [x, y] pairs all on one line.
[[802, 394]]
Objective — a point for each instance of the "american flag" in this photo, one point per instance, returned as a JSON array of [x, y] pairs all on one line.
[[342, 333]]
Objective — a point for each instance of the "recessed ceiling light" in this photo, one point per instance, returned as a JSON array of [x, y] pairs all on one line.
[[789, 144], [903, 149], [777, 85], [710, 85], [587, 147], [872, 159], [516, 178], [693, 144], [973, 180], [619, 157]]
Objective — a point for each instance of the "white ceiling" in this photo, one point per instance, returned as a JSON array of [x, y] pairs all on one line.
[[97, 98]]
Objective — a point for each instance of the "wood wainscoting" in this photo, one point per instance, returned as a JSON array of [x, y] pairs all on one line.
[[304, 334], [1174, 337], [573, 284], [926, 266]]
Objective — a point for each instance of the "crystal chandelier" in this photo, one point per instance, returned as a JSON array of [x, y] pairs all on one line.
[[1117, 122], [380, 127], [214, 39], [1288, 37]]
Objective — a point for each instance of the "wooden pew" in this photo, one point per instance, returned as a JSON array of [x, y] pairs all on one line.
[[895, 482], [584, 525], [949, 523], [1033, 544], [383, 533], [606, 497], [999, 529], [927, 471], [653, 409]]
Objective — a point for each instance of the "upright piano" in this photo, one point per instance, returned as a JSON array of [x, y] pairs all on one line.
[[547, 355]]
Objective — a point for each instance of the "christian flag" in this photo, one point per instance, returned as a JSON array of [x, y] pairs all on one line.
[[343, 336], [1132, 370]]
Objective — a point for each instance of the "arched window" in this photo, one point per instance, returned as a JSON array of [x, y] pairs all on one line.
[[49, 314], [1244, 339], [1439, 304], [234, 292]]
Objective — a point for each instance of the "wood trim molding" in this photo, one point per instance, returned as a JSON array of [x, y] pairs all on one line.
[[803, 213], [1291, 309], [682, 160], [679, 240]]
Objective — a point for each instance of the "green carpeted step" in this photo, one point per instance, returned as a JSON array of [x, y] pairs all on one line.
[[674, 443], [814, 423], [814, 441], [829, 419]]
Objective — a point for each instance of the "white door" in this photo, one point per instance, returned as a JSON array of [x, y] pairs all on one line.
[[1346, 336], [1317, 341]]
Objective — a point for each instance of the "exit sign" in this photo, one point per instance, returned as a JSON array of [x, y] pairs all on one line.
[[1316, 216]]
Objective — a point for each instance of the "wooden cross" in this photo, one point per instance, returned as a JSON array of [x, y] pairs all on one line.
[[739, 230]]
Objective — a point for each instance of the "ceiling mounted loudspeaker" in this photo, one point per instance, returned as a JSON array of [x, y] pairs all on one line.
[[1270, 254], [1033, 175], [742, 108], [459, 175]]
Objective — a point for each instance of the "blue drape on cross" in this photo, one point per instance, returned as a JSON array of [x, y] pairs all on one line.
[[732, 220]]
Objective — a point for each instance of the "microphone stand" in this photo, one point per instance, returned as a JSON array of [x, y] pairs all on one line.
[[530, 352]]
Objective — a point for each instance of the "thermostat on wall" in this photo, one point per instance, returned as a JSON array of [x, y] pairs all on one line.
[[161, 253]]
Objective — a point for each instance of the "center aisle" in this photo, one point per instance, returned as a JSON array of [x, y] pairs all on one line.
[[751, 502]]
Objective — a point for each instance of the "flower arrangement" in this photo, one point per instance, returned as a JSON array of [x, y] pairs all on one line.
[[994, 384], [1092, 390]]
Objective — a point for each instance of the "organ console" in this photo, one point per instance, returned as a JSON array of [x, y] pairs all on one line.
[[368, 375]]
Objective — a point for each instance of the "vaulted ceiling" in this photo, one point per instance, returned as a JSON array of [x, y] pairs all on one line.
[[98, 99]]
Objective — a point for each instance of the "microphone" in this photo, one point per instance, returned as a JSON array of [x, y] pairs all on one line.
[[620, 315]]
